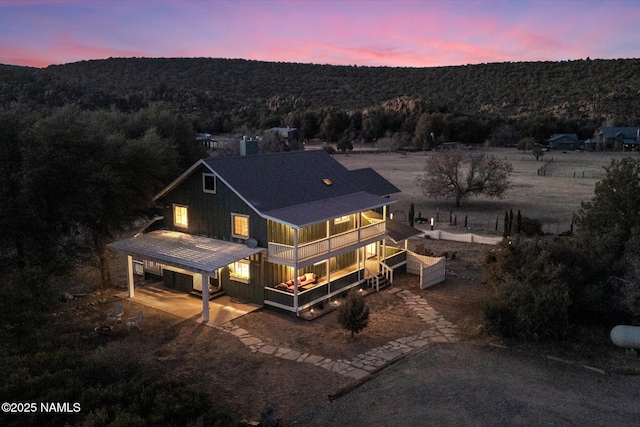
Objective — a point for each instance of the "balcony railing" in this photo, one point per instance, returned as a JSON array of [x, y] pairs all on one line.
[[309, 250]]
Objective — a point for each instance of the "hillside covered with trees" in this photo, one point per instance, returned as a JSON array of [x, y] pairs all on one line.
[[470, 104], [84, 147]]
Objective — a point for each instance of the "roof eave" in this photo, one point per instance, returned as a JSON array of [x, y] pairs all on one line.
[[322, 219]]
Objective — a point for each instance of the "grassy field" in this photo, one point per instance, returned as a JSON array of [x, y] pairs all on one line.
[[569, 178]]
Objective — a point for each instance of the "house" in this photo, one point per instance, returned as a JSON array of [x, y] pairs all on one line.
[[564, 141], [616, 138], [286, 230], [290, 136]]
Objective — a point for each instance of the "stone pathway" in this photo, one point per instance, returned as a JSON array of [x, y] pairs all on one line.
[[438, 330]]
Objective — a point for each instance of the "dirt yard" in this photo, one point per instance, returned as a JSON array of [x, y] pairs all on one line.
[[247, 382], [471, 382]]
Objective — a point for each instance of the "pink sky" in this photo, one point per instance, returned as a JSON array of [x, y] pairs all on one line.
[[373, 33]]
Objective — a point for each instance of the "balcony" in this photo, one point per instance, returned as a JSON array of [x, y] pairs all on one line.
[[323, 248]]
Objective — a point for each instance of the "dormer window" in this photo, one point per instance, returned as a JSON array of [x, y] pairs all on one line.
[[209, 183]]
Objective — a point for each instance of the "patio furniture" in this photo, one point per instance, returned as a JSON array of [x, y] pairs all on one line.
[[303, 281], [115, 316], [134, 322]]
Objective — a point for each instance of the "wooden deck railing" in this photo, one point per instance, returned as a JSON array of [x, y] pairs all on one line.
[[325, 246]]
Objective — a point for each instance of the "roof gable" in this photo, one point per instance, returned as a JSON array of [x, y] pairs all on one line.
[[558, 136], [306, 181]]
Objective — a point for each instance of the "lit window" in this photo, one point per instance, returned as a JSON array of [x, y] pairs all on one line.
[[341, 219], [240, 224], [208, 183], [239, 271], [180, 216]]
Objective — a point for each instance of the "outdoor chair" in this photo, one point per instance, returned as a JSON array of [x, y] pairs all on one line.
[[134, 322], [115, 316]]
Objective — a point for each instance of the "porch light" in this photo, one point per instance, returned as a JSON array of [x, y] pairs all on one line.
[[327, 181], [311, 311]]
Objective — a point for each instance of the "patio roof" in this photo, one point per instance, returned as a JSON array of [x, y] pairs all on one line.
[[193, 253], [398, 231]]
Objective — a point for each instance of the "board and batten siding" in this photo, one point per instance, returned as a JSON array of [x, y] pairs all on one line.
[[283, 234], [248, 292], [210, 214]]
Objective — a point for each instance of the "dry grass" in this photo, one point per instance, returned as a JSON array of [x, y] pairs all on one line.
[[552, 198]]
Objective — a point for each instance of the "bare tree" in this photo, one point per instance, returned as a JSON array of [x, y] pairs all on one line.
[[461, 174], [537, 152]]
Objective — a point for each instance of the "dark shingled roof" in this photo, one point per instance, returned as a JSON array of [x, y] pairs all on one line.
[[297, 187], [280, 180], [374, 183]]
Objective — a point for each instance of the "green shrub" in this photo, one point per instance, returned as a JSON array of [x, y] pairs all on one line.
[[353, 313], [532, 300], [530, 227]]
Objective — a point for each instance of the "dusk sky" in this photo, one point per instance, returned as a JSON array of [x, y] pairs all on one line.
[[374, 33]]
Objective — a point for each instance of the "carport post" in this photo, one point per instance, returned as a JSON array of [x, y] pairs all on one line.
[[205, 297], [130, 276]]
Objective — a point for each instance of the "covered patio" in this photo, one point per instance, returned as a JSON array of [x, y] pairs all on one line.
[[199, 255], [186, 306]]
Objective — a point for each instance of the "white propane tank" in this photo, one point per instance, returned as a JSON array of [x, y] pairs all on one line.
[[626, 336]]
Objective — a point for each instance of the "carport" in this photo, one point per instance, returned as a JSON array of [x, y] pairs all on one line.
[[196, 254]]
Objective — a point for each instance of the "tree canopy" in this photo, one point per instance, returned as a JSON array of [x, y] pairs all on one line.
[[610, 221], [472, 104], [72, 180], [550, 288], [458, 175]]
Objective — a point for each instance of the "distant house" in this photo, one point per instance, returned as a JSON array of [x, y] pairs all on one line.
[[564, 141], [207, 140], [616, 138], [290, 136], [287, 230]]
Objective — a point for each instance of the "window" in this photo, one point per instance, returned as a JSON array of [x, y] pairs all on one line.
[[240, 226], [239, 271], [209, 183], [180, 218], [341, 219]]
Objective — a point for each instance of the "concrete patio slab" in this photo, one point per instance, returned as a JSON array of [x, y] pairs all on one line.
[[221, 310]]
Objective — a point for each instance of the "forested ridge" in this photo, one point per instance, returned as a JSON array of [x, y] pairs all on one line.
[[222, 94], [84, 147]]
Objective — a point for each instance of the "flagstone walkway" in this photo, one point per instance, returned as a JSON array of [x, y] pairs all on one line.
[[438, 330]]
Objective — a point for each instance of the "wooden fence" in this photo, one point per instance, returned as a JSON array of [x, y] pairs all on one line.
[[430, 269]]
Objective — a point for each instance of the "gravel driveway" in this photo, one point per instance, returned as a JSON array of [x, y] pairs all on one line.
[[477, 385]]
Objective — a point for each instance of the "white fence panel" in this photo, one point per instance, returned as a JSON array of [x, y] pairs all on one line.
[[430, 269], [486, 240], [432, 274], [464, 237]]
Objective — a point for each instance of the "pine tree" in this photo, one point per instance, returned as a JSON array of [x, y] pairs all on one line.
[[353, 315], [411, 214], [510, 222], [505, 234]]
